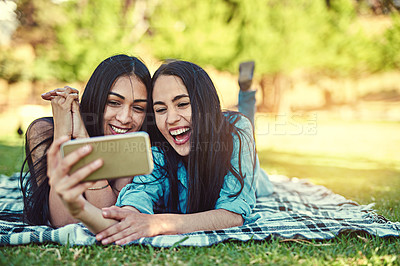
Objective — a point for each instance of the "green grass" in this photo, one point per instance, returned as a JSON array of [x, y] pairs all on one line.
[[344, 250], [11, 154], [356, 176]]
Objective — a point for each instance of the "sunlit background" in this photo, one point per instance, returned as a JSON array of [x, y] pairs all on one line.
[[327, 71]]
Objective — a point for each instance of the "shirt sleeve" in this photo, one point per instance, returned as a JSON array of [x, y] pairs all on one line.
[[145, 190], [243, 203]]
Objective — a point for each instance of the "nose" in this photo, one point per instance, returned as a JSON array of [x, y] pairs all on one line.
[[124, 116], [172, 116]]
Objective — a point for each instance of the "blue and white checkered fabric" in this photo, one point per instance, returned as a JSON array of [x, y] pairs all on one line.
[[296, 210]]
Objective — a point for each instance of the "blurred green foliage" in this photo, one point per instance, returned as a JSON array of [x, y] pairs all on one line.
[[12, 68], [390, 47], [88, 32], [280, 35], [71, 37]]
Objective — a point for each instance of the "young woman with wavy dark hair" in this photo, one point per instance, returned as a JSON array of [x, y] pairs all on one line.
[[114, 102], [206, 167]]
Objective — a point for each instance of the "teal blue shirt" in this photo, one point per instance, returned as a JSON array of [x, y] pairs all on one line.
[[148, 191]]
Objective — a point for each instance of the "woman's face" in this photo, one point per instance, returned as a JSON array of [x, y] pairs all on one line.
[[125, 109], [173, 112]]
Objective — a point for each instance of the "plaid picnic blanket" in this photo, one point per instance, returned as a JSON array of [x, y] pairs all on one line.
[[296, 210]]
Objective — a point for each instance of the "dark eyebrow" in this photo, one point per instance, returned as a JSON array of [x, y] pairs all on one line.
[[177, 97], [116, 94], [140, 101], [123, 98]]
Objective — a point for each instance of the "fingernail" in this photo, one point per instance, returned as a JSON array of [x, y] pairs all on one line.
[[85, 148], [97, 162], [104, 242], [99, 237]]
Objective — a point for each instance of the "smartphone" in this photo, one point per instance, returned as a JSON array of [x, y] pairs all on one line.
[[123, 155]]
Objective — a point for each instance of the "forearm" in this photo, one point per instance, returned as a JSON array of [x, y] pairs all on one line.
[[134, 225], [208, 220], [92, 217], [101, 196], [60, 131], [78, 126], [59, 214]]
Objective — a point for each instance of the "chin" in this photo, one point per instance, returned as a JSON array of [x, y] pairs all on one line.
[[182, 151]]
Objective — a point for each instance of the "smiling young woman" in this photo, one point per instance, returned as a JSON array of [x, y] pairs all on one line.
[[126, 106], [191, 188], [173, 112], [114, 102]]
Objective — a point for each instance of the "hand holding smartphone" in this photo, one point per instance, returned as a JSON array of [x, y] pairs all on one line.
[[123, 155]]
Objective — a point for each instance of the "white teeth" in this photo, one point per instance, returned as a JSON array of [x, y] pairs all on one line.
[[119, 130], [178, 131]]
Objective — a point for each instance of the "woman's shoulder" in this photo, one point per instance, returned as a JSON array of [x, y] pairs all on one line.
[[40, 131], [239, 120], [40, 125]]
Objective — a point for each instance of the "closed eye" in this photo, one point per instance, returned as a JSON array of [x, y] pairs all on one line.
[[160, 110], [113, 103], [183, 104], [139, 109]]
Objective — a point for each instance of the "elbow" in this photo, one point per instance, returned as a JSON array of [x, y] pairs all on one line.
[[239, 221], [236, 220], [233, 219]]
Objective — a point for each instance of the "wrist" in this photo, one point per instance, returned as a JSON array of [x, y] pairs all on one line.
[[101, 185], [98, 188], [77, 213], [81, 134], [169, 224], [58, 132]]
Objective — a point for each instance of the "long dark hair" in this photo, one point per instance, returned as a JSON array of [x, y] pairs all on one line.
[[34, 183], [211, 140], [99, 85]]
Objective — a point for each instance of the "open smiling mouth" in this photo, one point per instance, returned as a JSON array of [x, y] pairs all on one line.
[[117, 130], [181, 135]]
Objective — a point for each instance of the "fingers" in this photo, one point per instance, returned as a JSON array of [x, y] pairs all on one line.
[[85, 171], [53, 155], [128, 239], [120, 233], [75, 106], [125, 236], [112, 231], [53, 93], [69, 98], [69, 191], [115, 213], [76, 156], [69, 187], [71, 90], [64, 99], [59, 168]]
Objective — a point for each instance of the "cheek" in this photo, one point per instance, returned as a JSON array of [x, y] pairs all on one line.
[[108, 112], [159, 123], [106, 115], [188, 115], [139, 119]]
